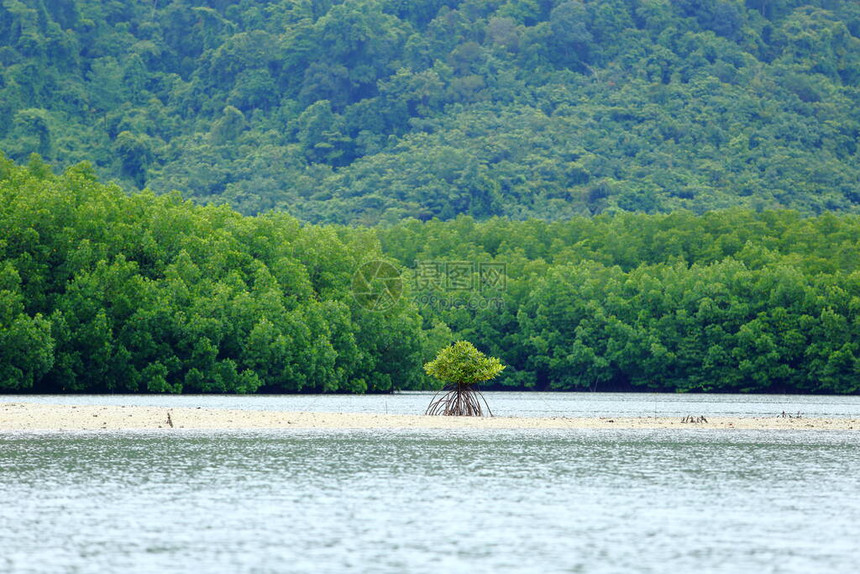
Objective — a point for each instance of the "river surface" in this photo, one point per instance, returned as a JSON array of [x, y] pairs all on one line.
[[687, 500]]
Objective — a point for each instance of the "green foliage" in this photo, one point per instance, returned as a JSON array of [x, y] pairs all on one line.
[[105, 292], [462, 364], [370, 111], [731, 301]]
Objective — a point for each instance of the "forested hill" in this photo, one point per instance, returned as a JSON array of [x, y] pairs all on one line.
[[367, 111]]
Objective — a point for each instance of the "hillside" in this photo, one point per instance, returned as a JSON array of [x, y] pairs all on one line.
[[371, 111]]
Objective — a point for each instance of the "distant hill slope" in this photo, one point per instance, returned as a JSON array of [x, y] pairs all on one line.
[[369, 111]]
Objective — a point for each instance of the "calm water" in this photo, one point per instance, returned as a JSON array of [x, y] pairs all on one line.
[[430, 501], [437, 501], [502, 404]]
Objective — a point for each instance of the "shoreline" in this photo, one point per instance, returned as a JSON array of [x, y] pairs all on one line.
[[33, 416]]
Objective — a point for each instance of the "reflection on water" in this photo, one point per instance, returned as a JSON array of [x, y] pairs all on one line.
[[430, 501]]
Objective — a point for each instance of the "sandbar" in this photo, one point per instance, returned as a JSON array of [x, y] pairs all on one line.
[[22, 416]]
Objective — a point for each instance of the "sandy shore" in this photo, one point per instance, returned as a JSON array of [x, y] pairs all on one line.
[[30, 416]]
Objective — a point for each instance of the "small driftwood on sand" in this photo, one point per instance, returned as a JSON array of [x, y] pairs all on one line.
[[692, 419]]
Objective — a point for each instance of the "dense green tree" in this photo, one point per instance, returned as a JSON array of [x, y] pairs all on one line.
[[462, 364], [104, 292], [728, 301]]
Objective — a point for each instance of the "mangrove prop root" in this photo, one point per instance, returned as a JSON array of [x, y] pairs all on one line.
[[459, 401]]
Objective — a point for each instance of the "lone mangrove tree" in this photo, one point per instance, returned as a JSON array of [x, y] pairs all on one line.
[[461, 367]]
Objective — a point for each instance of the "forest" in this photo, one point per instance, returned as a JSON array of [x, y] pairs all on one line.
[[202, 196], [727, 301], [372, 111], [104, 291]]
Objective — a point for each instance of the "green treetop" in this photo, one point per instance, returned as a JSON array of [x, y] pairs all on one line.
[[462, 364]]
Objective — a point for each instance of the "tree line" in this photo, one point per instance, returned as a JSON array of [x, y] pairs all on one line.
[[102, 291], [728, 301]]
